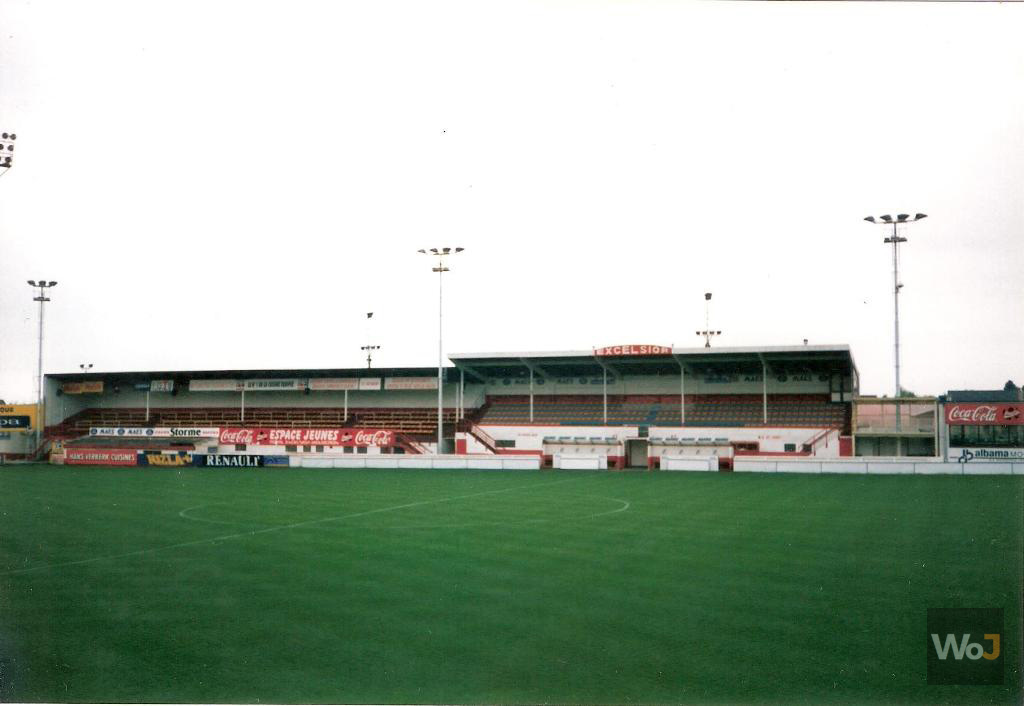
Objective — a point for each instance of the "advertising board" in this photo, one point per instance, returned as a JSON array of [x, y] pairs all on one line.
[[157, 432], [17, 416], [265, 436], [228, 460], [412, 383], [214, 385], [101, 457], [334, 383], [82, 388], [976, 414]]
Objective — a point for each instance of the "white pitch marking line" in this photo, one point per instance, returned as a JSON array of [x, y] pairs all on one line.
[[184, 514], [253, 533]]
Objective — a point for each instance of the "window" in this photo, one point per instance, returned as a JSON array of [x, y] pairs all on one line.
[[319, 449], [987, 435], [505, 443], [239, 447], [307, 449], [361, 450], [348, 449], [291, 448], [789, 447]]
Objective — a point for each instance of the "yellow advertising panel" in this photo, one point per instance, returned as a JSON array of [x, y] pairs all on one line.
[[17, 417]]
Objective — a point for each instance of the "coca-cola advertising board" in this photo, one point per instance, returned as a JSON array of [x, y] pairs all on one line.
[[101, 457], [997, 414], [265, 436]]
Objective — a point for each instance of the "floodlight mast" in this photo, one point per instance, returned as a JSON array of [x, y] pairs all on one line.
[[440, 254], [6, 151], [707, 333], [895, 239], [368, 347], [42, 285]]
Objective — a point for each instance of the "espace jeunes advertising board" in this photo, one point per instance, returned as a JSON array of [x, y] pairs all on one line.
[[262, 436]]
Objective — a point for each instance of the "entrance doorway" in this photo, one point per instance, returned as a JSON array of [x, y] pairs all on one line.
[[636, 453]]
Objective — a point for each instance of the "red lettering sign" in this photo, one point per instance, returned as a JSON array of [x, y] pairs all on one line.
[[975, 414], [101, 457], [262, 436], [633, 350]]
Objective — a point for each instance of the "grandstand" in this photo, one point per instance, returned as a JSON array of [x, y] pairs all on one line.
[[793, 400]]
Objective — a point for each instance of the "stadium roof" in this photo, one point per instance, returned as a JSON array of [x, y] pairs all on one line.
[[480, 367], [660, 360], [139, 376]]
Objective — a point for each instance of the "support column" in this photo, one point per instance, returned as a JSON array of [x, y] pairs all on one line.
[[531, 395], [682, 395], [764, 389], [462, 394], [604, 390], [243, 402], [147, 406], [346, 406]]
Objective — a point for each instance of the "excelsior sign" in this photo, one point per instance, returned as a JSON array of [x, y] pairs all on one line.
[[997, 414], [634, 350], [262, 436]]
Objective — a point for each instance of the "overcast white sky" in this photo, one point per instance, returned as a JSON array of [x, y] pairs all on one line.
[[234, 184]]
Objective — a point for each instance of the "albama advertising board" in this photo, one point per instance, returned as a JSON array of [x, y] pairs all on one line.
[[265, 436]]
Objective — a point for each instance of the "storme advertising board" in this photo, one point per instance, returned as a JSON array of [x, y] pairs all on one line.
[[157, 432]]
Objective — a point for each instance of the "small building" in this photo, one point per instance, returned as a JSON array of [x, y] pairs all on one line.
[[983, 425]]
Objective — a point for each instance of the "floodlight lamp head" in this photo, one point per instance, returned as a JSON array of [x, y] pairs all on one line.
[[707, 296], [920, 216], [902, 217], [870, 219], [434, 250], [887, 218], [422, 251], [459, 249], [32, 282], [447, 250], [53, 283]]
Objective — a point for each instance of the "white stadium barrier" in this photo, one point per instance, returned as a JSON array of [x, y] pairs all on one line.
[[579, 462], [489, 462], [689, 463], [874, 467]]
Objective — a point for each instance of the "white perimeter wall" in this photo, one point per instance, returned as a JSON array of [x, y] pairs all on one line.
[[892, 466], [532, 438], [770, 439]]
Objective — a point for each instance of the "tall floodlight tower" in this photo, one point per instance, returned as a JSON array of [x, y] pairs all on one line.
[[707, 333], [42, 285], [368, 347], [6, 151], [440, 269], [895, 239]]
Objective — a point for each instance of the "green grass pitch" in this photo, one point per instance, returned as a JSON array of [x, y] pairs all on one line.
[[289, 585]]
